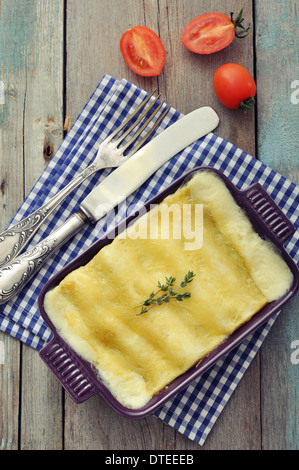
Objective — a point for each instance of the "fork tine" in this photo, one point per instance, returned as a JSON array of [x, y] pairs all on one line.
[[138, 132], [144, 139], [124, 135], [131, 116]]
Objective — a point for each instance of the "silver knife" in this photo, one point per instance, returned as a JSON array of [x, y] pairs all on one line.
[[114, 189]]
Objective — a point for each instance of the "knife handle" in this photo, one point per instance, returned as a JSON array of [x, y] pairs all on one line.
[[16, 237], [16, 274]]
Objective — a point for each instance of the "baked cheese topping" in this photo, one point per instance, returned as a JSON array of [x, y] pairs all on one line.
[[95, 308]]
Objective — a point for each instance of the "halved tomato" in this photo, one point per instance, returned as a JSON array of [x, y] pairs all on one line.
[[143, 51], [212, 32]]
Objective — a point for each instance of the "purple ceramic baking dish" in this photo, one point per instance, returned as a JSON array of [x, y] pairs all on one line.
[[78, 377]]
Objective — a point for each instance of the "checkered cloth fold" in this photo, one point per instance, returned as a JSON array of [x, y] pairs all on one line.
[[193, 411]]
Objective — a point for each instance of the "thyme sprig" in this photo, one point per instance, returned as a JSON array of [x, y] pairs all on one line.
[[168, 293]]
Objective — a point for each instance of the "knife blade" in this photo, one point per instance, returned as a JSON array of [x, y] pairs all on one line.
[[114, 189], [132, 174]]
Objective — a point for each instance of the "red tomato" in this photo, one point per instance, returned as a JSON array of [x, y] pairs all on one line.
[[212, 32], [143, 51], [234, 86]]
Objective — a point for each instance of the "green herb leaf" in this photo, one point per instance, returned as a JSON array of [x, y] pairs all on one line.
[[169, 293], [238, 24]]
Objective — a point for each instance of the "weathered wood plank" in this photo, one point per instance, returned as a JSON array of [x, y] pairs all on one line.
[[278, 98], [187, 79], [9, 392], [94, 425], [41, 405], [278, 119], [43, 132], [187, 83], [280, 381], [43, 104], [31, 67], [12, 76], [238, 427], [93, 32]]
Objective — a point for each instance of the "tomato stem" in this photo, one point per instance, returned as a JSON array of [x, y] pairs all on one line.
[[238, 24], [248, 104]]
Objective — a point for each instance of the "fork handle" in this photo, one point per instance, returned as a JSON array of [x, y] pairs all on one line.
[[15, 275], [16, 237]]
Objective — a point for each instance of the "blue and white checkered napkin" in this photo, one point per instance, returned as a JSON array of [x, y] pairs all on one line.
[[194, 411]]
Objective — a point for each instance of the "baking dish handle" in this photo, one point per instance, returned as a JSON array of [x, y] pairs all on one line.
[[70, 372], [257, 199]]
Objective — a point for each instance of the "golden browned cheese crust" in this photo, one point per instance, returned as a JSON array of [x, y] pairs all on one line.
[[236, 273]]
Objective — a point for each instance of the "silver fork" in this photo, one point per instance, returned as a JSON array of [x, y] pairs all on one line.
[[110, 155]]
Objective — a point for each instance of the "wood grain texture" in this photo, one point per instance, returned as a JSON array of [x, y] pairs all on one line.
[[31, 119], [43, 132], [56, 46], [186, 80], [277, 36], [12, 73], [10, 393], [186, 83], [187, 77], [278, 146]]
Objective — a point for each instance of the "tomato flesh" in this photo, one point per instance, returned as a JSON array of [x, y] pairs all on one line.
[[233, 85], [208, 33], [143, 51]]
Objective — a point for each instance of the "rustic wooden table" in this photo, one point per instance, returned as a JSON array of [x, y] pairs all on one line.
[[53, 53]]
